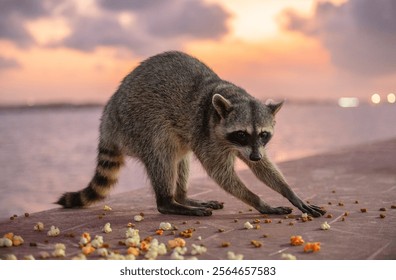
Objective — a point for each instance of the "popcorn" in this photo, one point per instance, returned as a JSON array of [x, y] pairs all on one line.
[[79, 257], [325, 226], [155, 249], [54, 231], [233, 256], [88, 249], [28, 257], [97, 242], [198, 249], [304, 216], [133, 251], [85, 239], [44, 255], [177, 242], [107, 228], [256, 243], [107, 208], [11, 257], [5, 242], [296, 240], [138, 218], [114, 256], [187, 233], [59, 250], [132, 237], [178, 253], [17, 240], [165, 226], [312, 247], [102, 252], [288, 257], [39, 226], [248, 225]]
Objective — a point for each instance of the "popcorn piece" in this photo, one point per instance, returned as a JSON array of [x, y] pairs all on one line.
[[187, 233], [165, 226], [102, 252], [144, 245], [233, 256], [107, 228], [159, 231], [107, 208], [177, 242], [11, 257], [248, 225], [114, 256], [59, 250], [132, 237], [304, 215], [256, 243], [97, 242], [129, 257], [28, 257], [44, 255], [176, 256], [198, 249], [312, 247], [39, 226], [5, 242], [138, 218], [288, 257], [54, 231], [296, 240], [79, 257], [133, 251], [325, 226], [86, 250], [17, 240], [85, 239]]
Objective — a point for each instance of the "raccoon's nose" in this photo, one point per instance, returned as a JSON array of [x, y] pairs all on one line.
[[255, 156]]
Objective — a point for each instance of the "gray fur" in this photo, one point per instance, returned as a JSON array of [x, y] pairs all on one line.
[[172, 105]]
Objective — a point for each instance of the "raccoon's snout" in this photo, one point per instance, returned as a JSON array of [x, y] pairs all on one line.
[[255, 156]]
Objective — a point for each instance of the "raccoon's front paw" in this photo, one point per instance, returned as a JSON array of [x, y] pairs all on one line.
[[178, 209], [212, 204], [277, 210]]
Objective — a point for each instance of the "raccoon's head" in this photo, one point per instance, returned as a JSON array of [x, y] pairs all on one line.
[[245, 124]]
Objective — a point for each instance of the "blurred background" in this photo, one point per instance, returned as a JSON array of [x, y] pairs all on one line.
[[333, 61]]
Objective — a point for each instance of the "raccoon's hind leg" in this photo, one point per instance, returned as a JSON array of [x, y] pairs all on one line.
[[181, 189], [162, 171], [109, 162]]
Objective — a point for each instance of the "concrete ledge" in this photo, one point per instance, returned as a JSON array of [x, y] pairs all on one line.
[[347, 180]]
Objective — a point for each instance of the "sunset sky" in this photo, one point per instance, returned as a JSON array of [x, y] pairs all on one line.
[[79, 51]]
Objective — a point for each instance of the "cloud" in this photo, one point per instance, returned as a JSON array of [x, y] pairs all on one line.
[[13, 15], [359, 34], [7, 63]]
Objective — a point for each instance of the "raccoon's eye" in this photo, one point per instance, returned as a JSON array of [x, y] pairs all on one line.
[[239, 137], [265, 136]]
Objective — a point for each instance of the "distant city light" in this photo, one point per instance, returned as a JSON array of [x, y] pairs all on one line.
[[376, 98], [391, 98], [347, 102]]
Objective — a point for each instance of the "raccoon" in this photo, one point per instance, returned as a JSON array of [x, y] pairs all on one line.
[[173, 105]]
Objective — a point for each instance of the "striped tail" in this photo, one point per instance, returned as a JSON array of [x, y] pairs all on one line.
[[106, 175]]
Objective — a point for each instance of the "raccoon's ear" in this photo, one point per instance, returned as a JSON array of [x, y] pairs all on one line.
[[274, 107], [222, 105]]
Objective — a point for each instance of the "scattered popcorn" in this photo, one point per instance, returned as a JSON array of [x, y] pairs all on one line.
[[198, 249], [44, 255], [176, 256], [199, 238], [177, 242], [85, 239], [155, 249], [129, 257], [325, 226], [102, 252], [132, 237], [39, 226], [11, 257], [296, 240], [114, 256], [187, 233], [9, 235], [59, 250], [97, 242], [28, 257], [107, 228], [233, 256], [248, 225], [54, 231], [88, 249], [144, 245], [159, 231], [17, 240], [138, 218], [107, 208], [312, 247], [80, 256], [165, 226], [5, 242], [304, 215], [288, 257], [256, 243], [133, 251]]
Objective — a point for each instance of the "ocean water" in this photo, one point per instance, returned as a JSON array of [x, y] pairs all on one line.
[[45, 152]]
